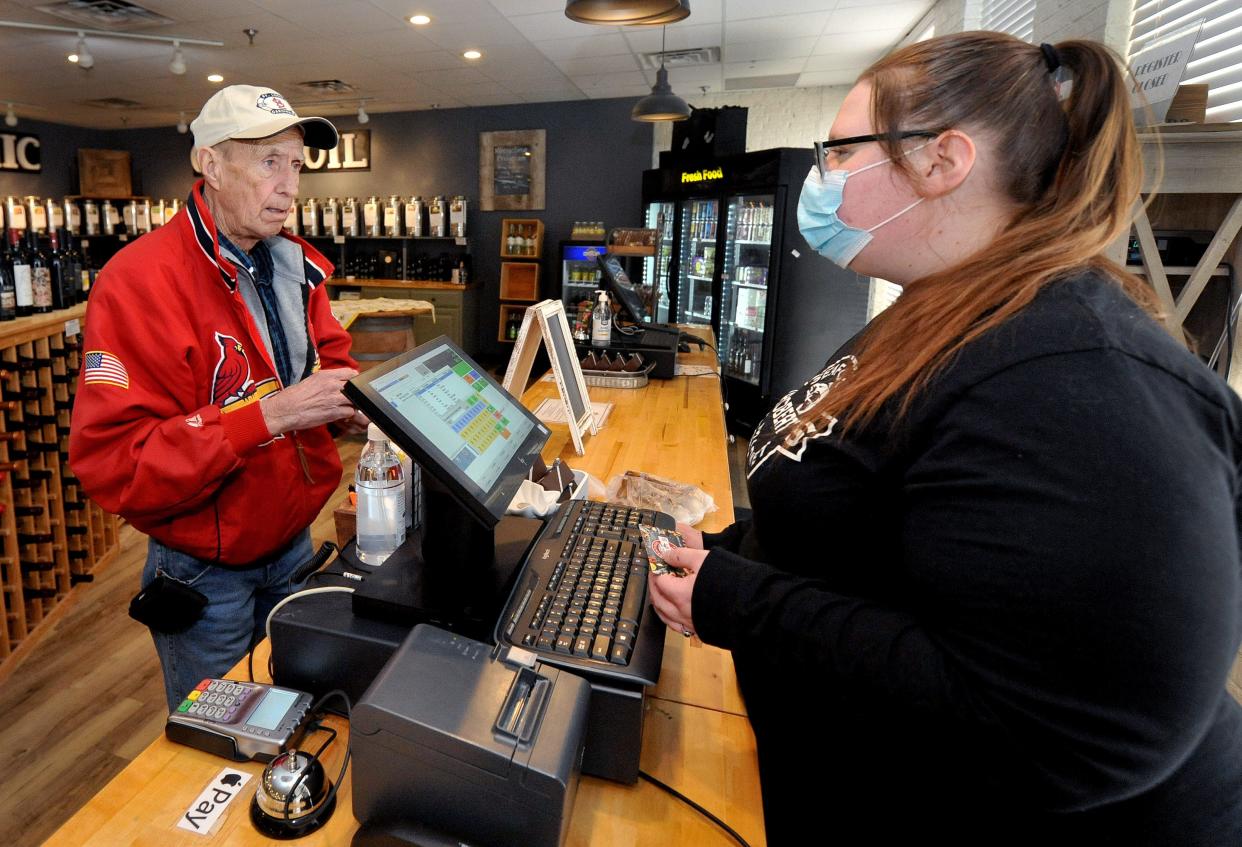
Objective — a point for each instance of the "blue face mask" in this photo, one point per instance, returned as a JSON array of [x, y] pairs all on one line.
[[819, 223]]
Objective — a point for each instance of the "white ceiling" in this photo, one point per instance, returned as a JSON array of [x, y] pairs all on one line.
[[531, 53]]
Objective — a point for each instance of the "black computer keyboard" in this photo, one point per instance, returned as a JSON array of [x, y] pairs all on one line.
[[580, 602]]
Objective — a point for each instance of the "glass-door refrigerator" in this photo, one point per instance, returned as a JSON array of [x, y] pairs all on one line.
[[659, 216], [738, 263], [580, 275]]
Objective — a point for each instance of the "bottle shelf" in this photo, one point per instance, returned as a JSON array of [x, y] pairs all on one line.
[[459, 239], [531, 228], [52, 537]]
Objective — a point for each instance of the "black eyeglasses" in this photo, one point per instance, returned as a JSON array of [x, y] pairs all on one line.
[[822, 147]]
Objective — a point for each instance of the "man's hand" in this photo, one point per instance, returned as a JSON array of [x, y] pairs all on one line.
[[355, 425], [315, 401]]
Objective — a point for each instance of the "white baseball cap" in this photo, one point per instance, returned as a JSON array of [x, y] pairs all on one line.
[[250, 111]]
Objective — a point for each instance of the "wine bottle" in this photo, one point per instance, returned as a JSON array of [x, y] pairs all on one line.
[[19, 260], [40, 275]]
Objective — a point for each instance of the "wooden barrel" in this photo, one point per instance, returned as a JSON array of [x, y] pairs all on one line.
[[378, 339]]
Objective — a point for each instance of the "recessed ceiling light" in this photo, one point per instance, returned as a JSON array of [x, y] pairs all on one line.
[[420, 20], [215, 78], [473, 54]]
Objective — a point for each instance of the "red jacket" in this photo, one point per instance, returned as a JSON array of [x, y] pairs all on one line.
[[167, 430]]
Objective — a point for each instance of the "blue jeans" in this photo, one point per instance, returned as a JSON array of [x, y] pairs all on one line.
[[238, 602]]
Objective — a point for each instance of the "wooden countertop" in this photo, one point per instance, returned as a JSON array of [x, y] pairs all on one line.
[[696, 737]]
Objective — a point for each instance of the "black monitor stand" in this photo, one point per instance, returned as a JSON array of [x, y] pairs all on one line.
[[454, 573]]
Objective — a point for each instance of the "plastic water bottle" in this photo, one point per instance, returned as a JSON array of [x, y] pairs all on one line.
[[601, 322], [407, 473], [380, 484]]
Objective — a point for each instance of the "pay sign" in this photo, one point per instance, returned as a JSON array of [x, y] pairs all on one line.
[[203, 813]]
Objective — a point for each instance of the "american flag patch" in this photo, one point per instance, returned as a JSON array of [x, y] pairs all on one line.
[[104, 368]]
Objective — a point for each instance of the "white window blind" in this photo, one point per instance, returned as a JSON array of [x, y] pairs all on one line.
[[1217, 59], [1016, 17]]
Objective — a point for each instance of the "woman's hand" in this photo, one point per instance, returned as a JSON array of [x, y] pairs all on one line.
[[671, 594], [692, 537]]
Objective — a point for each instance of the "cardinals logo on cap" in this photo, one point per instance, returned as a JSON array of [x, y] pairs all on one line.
[[274, 103]]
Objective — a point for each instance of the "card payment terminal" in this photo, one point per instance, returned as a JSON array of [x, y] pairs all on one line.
[[239, 720]]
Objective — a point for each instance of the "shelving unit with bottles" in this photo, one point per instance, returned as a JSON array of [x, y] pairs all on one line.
[[365, 259], [52, 537], [745, 290], [656, 267], [698, 261], [521, 239]]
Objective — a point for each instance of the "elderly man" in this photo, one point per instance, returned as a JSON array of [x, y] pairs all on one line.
[[213, 368]]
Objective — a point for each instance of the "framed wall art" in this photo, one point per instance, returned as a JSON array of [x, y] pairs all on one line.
[[512, 165], [104, 173]]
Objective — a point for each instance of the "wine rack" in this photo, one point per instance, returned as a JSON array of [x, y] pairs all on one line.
[[52, 537]]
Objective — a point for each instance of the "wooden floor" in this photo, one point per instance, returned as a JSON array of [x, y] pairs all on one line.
[[90, 696]]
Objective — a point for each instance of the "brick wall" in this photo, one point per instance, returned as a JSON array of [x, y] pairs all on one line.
[[1055, 20], [1101, 20], [780, 117], [792, 117]]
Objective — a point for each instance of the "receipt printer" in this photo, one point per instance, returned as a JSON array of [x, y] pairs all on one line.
[[457, 741]]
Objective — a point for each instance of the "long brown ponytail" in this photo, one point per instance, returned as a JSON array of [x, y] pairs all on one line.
[[1073, 169]]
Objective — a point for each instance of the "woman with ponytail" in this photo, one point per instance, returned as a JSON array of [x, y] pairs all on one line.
[[992, 586]]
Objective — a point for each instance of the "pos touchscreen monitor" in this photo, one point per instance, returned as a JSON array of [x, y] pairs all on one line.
[[450, 416], [623, 290]]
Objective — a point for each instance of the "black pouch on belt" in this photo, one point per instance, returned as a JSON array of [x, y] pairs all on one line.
[[167, 606]]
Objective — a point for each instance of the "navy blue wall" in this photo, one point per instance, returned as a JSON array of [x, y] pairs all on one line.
[[595, 158], [59, 146]]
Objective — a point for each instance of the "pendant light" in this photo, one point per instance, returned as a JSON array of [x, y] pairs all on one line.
[[627, 12], [661, 104]]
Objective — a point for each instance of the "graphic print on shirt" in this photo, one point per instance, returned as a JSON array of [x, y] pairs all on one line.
[[232, 387], [785, 419]]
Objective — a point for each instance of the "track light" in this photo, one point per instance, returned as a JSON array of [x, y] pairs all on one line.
[[177, 65], [85, 59], [10, 117], [363, 117], [182, 126]]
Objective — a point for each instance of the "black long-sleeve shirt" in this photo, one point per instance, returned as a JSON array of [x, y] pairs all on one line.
[[1009, 616]]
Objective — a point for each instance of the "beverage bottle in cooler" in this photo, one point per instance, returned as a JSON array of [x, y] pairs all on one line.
[[380, 484]]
